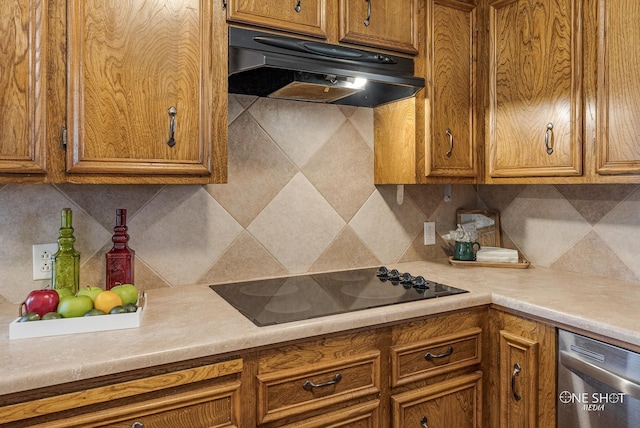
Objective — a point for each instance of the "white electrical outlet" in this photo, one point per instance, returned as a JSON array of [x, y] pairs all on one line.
[[429, 233], [42, 260]]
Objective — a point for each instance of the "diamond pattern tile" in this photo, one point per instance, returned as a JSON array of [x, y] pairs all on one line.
[[257, 170], [297, 226], [594, 201], [543, 224], [620, 230], [299, 128], [341, 171], [386, 227], [181, 232]]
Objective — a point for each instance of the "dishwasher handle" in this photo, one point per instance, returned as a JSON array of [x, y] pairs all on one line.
[[615, 381]]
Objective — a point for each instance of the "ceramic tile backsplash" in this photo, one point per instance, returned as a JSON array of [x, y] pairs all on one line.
[[300, 198]]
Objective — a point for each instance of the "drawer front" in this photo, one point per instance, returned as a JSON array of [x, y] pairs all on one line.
[[291, 392], [442, 354], [365, 415]]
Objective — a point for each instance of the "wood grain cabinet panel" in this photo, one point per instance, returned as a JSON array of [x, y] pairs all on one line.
[[23, 69], [618, 120], [386, 24], [129, 64], [454, 403], [306, 17], [421, 360], [535, 88], [201, 397]]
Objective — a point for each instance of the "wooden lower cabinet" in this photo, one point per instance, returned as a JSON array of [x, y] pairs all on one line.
[[523, 374], [206, 396], [453, 403]]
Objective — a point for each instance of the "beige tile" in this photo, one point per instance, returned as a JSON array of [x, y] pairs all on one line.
[[418, 251], [543, 224], [257, 170], [362, 119], [299, 128], [620, 230], [181, 232], [385, 227], [594, 201], [245, 259], [445, 215], [346, 252], [297, 226], [235, 109], [498, 197], [101, 201], [592, 256], [341, 171], [31, 215]]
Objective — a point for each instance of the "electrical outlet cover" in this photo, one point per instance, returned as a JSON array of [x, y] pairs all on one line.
[[42, 260]]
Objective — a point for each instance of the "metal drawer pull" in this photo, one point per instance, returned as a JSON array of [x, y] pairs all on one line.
[[137, 425], [450, 135], [429, 356], [516, 369], [546, 138], [424, 422], [298, 8], [308, 385], [368, 20], [172, 126]]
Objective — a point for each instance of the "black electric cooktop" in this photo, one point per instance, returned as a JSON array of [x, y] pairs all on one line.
[[282, 300]]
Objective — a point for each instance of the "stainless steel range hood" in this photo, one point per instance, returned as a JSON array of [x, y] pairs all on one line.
[[274, 66]]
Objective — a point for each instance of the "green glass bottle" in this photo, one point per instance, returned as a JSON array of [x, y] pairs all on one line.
[[66, 261]]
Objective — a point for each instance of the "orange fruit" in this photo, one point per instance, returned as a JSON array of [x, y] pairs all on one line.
[[106, 301]]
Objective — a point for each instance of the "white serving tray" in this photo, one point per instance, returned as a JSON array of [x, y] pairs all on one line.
[[57, 327]]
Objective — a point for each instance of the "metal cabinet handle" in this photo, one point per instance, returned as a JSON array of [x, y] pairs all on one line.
[[172, 126], [368, 20], [298, 8], [137, 425], [450, 135], [308, 385], [546, 137], [429, 356], [516, 369], [424, 422]]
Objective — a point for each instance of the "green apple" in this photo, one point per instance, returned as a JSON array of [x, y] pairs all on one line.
[[90, 291], [127, 292], [74, 306]]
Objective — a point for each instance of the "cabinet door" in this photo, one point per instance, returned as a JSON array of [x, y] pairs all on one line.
[[453, 403], [618, 88], [450, 111], [306, 17], [387, 24], [524, 373], [22, 104], [535, 113], [141, 87]]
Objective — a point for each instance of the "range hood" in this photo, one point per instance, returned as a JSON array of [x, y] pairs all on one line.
[[274, 66]]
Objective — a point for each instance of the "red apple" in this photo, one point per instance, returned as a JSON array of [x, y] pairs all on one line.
[[41, 301]]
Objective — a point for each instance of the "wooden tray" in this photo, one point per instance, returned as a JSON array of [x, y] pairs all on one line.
[[522, 264]]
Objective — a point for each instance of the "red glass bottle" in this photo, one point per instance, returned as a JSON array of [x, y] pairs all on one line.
[[120, 259]]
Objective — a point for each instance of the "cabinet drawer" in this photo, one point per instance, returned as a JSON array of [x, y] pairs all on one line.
[[291, 392], [427, 358], [365, 415]]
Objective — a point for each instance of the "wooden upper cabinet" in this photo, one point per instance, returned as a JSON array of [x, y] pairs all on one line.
[[535, 88], [450, 104], [618, 119], [306, 17], [129, 65], [22, 85], [386, 24]]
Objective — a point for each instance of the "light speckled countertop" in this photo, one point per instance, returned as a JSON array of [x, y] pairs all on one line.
[[190, 322]]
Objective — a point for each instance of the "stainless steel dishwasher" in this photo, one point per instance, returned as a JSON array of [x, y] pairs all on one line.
[[598, 384]]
